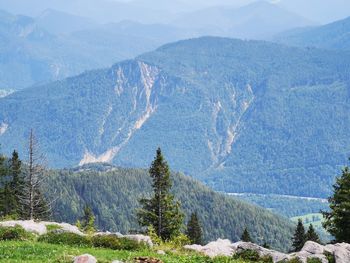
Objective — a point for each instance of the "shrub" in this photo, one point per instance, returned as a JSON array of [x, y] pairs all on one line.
[[106, 241], [14, 233], [248, 254], [116, 243], [266, 259], [295, 260], [330, 257], [65, 238], [180, 240], [52, 227], [314, 260]]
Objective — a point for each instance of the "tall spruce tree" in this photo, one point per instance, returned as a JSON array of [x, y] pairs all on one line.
[[337, 220], [161, 210], [194, 230], [5, 190], [246, 236], [87, 221], [299, 237], [17, 182], [311, 235]]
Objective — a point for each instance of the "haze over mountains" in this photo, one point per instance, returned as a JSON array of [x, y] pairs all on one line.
[[243, 116]]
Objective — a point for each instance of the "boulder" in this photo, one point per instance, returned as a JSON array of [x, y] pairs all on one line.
[[275, 255], [86, 258], [221, 247], [40, 228], [313, 248], [341, 252], [161, 252], [138, 238]]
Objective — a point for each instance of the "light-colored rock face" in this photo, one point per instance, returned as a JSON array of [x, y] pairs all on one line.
[[86, 258], [40, 228], [221, 247], [310, 250]]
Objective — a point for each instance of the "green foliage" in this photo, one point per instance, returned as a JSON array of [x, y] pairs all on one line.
[[314, 260], [53, 227], [14, 233], [246, 236], [161, 211], [337, 220], [180, 241], [330, 257], [299, 237], [248, 254], [106, 241], [87, 221], [65, 238], [311, 235], [194, 230], [114, 193], [293, 260]]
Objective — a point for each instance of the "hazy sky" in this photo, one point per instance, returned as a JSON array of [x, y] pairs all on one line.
[[320, 11]]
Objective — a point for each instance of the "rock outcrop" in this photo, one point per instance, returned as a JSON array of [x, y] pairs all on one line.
[[40, 228], [340, 252], [138, 238]]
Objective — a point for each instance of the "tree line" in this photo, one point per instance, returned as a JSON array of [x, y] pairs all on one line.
[[21, 186]]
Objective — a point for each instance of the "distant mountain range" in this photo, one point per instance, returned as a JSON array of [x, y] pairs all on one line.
[[335, 35], [258, 20], [242, 116]]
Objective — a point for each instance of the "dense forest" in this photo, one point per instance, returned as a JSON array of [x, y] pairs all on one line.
[[113, 194]]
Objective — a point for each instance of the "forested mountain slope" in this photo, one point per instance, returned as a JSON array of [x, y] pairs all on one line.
[[243, 116], [114, 192], [335, 35]]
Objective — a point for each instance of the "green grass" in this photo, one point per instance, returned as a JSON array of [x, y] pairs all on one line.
[[35, 252]]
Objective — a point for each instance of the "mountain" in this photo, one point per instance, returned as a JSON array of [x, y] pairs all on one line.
[[242, 116], [30, 55], [323, 12], [257, 20], [335, 35], [113, 194], [58, 22]]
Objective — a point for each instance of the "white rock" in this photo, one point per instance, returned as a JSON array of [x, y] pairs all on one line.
[[221, 247], [340, 251], [117, 261], [140, 239], [86, 258], [161, 252], [40, 227], [313, 248]]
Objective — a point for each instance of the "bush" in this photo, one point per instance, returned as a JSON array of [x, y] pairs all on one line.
[[295, 260], [249, 255], [53, 227], [116, 243], [14, 233], [106, 241], [65, 238], [180, 240], [266, 259], [330, 257], [314, 260]]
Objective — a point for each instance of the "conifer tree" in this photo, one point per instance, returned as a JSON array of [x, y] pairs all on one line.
[[161, 210], [87, 221], [5, 189], [246, 236], [337, 220], [32, 201], [194, 230], [299, 236], [17, 182], [311, 235]]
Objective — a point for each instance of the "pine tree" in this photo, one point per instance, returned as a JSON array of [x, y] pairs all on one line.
[[87, 222], [299, 236], [246, 236], [337, 220], [161, 211], [194, 230], [311, 235], [5, 189], [32, 201], [17, 182]]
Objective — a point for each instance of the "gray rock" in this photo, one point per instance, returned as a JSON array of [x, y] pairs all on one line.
[[341, 252], [161, 252], [117, 261], [86, 258], [313, 248]]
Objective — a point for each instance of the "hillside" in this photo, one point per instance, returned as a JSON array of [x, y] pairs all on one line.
[[114, 192], [242, 116], [335, 35]]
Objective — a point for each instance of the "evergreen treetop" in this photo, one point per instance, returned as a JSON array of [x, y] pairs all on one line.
[[299, 237], [311, 235], [337, 220], [246, 236], [161, 211], [194, 230]]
